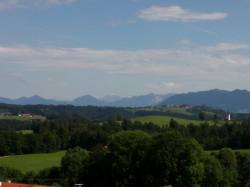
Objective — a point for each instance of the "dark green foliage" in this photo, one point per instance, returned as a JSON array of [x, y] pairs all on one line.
[[129, 154], [69, 112], [176, 160], [213, 172], [243, 161], [202, 116], [73, 161], [99, 167], [128, 151], [133, 158], [228, 162], [10, 174]]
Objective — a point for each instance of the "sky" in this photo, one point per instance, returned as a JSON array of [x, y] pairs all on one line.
[[67, 48]]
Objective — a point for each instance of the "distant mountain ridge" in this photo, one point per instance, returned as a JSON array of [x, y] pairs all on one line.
[[235, 101], [89, 100], [33, 100]]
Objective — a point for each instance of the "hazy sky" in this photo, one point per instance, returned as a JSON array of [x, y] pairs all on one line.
[[67, 48]]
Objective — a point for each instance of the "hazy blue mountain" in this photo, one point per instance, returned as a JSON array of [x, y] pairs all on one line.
[[140, 101], [117, 101], [33, 100], [236, 101], [5, 100], [36, 99], [87, 100], [110, 98]]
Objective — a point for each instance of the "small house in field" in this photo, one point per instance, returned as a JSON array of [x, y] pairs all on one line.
[[10, 184]]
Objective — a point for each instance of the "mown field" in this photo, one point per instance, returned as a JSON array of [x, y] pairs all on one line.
[[247, 151], [32, 162], [164, 120]]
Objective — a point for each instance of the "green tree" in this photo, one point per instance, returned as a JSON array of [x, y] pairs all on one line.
[[228, 162], [202, 116], [72, 163], [10, 174], [128, 152], [175, 160], [243, 161], [99, 167], [213, 173]]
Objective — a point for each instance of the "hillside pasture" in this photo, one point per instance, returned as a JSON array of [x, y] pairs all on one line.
[[32, 162], [164, 120]]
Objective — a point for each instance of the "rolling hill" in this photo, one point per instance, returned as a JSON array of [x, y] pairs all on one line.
[[235, 101]]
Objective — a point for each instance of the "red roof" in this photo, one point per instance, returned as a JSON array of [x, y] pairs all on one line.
[[7, 184]]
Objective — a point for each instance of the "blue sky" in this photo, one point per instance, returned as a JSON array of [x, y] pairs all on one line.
[[67, 48]]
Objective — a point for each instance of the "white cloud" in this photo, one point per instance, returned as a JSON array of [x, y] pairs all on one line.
[[229, 47], [164, 87], [177, 13], [191, 61], [170, 84], [9, 4]]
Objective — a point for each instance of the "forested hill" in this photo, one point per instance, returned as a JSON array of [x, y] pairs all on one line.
[[235, 101], [93, 113], [67, 111]]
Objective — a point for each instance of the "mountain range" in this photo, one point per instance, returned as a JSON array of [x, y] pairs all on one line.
[[89, 100], [235, 101]]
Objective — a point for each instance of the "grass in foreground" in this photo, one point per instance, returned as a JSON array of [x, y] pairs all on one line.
[[164, 120], [32, 162]]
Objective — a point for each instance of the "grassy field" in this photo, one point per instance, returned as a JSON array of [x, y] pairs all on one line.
[[32, 162], [247, 151], [23, 118], [164, 120], [25, 132], [178, 110]]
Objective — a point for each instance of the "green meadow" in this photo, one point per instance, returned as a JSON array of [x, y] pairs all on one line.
[[32, 162], [164, 120]]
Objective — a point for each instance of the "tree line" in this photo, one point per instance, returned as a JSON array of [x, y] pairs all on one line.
[[54, 135], [137, 158]]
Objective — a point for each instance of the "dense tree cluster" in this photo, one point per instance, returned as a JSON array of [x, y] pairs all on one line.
[[136, 158], [234, 135], [114, 151], [53, 135]]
